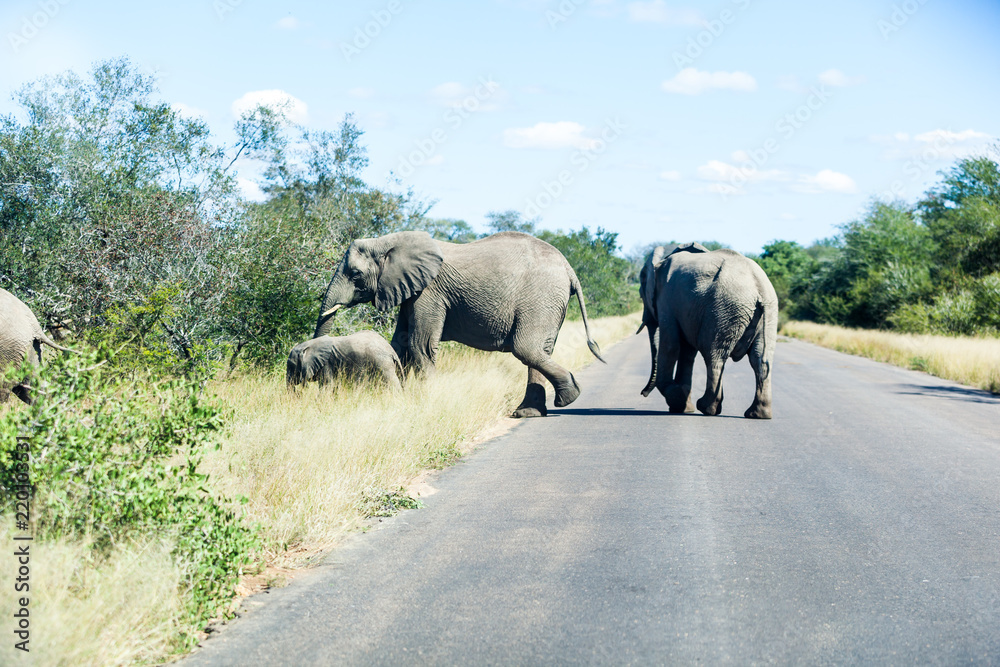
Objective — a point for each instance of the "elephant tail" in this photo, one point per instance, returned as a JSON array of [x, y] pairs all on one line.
[[754, 329], [576, 289], [42, 338]]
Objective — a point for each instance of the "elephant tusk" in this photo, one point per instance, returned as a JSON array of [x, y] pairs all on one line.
[[641, 327], [331, 311]]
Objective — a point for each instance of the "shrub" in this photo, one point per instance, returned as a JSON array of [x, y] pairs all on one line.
[[112, 460]]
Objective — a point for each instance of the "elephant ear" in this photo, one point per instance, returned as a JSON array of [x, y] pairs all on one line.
[[690, 247], [659, 253], [410, 261]]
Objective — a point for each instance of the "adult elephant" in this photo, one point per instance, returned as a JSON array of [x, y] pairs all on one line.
[[361, 355], [718, 303], [21, 337], [504, 293]]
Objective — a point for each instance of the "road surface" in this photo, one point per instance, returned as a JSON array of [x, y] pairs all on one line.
[[861, 525]]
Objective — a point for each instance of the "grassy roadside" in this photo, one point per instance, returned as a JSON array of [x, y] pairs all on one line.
[[970, 361], [312, 466], [316, 464]]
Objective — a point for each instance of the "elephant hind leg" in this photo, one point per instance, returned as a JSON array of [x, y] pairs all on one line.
[[711, 402], [566, 388], [679, 393], [761, 406], [668, 357]]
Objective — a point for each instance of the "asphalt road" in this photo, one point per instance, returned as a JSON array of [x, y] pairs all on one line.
[[860, 526]]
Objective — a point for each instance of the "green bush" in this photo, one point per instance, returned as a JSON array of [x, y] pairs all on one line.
[[911, 318], [602, 274], [112, 460]]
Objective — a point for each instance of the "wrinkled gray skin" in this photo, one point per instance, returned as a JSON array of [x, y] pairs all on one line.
[[718, 303], [360, 355], [504, 293], [20, 337]]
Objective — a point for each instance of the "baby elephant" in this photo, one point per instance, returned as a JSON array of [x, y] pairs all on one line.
[[362, 354]]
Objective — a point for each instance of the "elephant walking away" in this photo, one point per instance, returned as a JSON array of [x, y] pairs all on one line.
[[718, 303], [21, 337], [361, 355], [505, 293]]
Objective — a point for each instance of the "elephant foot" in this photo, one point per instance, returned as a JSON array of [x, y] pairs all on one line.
[[709, 405], [758, 411], [678, 402], [533, 403], [566, 395]]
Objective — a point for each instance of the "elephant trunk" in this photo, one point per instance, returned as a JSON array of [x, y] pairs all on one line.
[[339, 293], [654, 348], [294, 371]]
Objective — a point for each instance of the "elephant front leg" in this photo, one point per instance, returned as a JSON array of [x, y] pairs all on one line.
[[401, 335], [533, 403], [711, 403]]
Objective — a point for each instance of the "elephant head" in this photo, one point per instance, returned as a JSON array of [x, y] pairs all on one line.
[[387, 270], [647, 291], [302, 366]]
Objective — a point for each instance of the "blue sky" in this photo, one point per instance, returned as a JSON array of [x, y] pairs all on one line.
[[740, 120]]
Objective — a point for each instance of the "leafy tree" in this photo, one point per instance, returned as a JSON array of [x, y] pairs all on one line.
[[121, 219], [789, 267], [883, 264], [510, 221], [601, 272], [962, 215], [445, 229]]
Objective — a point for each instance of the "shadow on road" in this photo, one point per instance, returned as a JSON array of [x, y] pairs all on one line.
[[627, 412], [954, 393]]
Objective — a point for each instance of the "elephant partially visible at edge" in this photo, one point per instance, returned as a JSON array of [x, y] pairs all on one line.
[[718, 303], [505, 293], [21, 337], [364, 354]]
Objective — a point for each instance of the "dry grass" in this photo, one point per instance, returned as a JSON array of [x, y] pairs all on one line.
[[971, 361], [309, 461], [125, 610]]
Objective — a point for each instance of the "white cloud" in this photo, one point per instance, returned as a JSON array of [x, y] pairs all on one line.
[[670, 175], [250, 190], [716, 170], [934, 145], [690, 81], [837, 79], [947, 136], [294, 108], [288, 23], [188, 111], [826, 180], [730, 179], [657, 11], [562, 134]]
